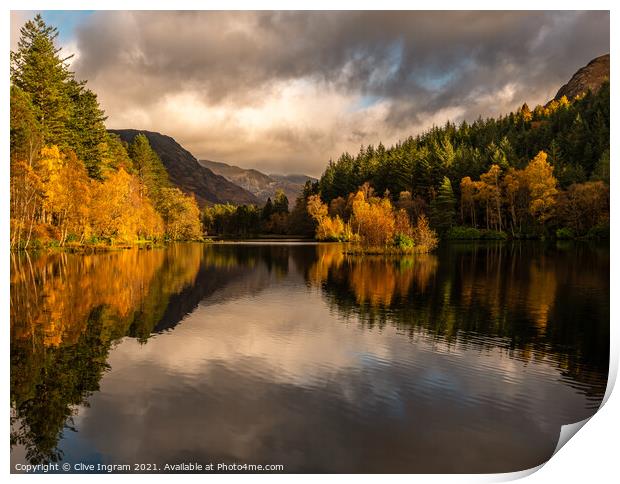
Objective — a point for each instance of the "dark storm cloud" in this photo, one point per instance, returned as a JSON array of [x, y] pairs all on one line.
[[417, 64]]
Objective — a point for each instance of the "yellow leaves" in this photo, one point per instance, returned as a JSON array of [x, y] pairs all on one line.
[[120, 212], [181, 215], [424, 238], [373, 220], [316, 208], [330, 229], [542, 187], [54, 293]]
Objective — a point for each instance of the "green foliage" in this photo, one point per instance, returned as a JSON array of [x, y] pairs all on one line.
[[38, 70], [229, 220], [564, 234], [443, 207], [66, 112], [71, 181], [180, 214], [576, 135], [280, 202], [601, 170], [404, 242], [600, 231], [26, 136], [148, 166], [493, 235], [464, 233], [471, 233]]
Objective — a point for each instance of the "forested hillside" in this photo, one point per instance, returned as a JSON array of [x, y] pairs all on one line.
[[71, 181], [526, 173], [187, 173]]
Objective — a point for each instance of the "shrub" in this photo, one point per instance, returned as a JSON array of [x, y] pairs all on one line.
[[463, 233], [564, 233], [424, 238], [493, 235], [331, 229], [600, 231], [404, 242]]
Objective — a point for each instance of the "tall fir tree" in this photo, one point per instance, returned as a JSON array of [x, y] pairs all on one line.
[[443, 207]]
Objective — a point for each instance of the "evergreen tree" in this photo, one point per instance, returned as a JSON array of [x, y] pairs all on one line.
[[267, 210], [443, 206], [26, 137], [68, 114], [39, 70], [87, 130], [148, 166], [280, 202]]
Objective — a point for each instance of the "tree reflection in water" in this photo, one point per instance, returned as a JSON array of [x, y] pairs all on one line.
[[530, 300]]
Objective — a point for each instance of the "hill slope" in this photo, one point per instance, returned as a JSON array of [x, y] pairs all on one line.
[[589, 77], [261, 185], [186, 173]]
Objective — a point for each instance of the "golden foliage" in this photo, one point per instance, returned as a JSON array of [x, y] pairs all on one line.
[[316, 208], [330, 229], [52, 295], [180, 214], [373, 220], [424, 238], [120, 211], [542, 187]]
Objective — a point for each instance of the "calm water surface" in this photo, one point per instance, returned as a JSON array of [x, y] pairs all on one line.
[[466, 360]]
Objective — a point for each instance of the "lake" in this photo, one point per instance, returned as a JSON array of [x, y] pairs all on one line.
[[465, 360]]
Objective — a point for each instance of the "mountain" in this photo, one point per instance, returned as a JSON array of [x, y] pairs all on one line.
[[261, 185], [590, 77], [186, 173]]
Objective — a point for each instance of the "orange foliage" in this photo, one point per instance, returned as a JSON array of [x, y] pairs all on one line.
[[121, 212]]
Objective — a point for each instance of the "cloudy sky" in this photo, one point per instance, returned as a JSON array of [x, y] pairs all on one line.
[[286, 91]]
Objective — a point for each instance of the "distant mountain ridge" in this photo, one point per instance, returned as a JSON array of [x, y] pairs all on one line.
[[188, 174], [589, 77], [263, 186]]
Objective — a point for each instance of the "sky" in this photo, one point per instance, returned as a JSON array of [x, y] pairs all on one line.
[[285, 92]]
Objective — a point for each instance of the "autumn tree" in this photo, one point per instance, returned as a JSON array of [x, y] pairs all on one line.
[[493, 195], [180, 214], [468, 196], [542, 187], [373, 220], [121, 212], [66, 193], [514, 187], [316, 208], [583, 206], [424, 237]]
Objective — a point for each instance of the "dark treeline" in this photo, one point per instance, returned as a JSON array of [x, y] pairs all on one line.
[[249, 220], [72, 182]]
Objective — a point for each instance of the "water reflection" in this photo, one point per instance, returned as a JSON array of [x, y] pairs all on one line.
[[298, 354]]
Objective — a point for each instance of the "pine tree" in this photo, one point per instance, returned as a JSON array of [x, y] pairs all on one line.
[[148, 167], [26, 136], [87, 130], [267, 209], [443, 207], [280, 202], [38, 69]]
